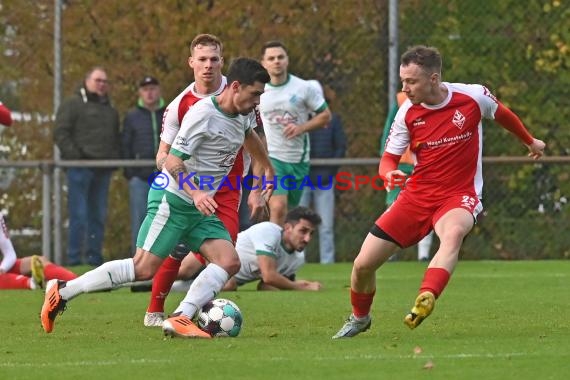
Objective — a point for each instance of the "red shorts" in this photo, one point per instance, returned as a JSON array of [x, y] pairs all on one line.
[[16, 267], [407, 222]]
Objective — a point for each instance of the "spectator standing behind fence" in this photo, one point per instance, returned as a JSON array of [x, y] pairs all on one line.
[[328, 142], [140, 139], [441, 122], [87, 128], [285, 107], [406, 165]]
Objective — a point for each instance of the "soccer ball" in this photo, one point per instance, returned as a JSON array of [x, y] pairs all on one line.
[[220, 318]]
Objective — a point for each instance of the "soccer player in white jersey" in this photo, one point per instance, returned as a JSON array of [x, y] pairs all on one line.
[[210, 137], [206, 61], [273, 254], [270, 254], [285, 107], [441, 122]]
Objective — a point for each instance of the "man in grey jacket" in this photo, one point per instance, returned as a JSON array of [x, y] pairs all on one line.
[[87, 128]]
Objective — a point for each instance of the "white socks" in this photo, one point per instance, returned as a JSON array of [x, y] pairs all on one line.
[[204, 288], [110, 275], [181, 286]]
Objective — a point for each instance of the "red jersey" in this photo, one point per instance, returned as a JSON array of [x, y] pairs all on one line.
[[446, 142]]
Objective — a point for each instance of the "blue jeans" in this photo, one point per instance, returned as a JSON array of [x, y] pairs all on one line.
[[87, 195], [138, 197], [323, 204]]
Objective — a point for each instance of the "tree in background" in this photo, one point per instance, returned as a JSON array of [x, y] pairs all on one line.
[[520, 48]]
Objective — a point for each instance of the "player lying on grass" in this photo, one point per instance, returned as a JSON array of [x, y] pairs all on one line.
[[210, 137], [441, 122], [268, 253], [26, 272]]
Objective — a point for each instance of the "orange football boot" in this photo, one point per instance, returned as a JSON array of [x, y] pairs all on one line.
[[183, 327], [53, 304]]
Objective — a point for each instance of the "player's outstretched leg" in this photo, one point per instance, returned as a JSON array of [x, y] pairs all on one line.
[[353, 326], [53, 304], [425, 303], [37, 269], [182, 326]]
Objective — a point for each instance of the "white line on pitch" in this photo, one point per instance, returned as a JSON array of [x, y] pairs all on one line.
[[96, 363]]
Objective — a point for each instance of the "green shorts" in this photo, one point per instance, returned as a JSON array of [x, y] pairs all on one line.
[[289, 178], [170, 220]]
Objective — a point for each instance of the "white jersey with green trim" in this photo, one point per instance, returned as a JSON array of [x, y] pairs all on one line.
[[208, 143], [264, 239], [290, 102], [177, 108]]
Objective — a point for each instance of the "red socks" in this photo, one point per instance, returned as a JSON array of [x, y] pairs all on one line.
[[52, 271], [435, 280], [361, 303], [162, 282], [14, 281]]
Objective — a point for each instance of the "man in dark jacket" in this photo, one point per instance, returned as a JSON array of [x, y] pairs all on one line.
[[328, 142], [140, 139], [87, 128]]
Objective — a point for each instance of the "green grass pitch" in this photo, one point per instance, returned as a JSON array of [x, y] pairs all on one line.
[[495, 320]]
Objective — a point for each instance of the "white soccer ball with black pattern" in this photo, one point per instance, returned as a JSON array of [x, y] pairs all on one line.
[[220, 318]]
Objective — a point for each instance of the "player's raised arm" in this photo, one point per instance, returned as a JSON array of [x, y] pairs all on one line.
[[511, 122]]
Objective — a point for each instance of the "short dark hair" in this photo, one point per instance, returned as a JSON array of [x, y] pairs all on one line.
[[272, 44], [247, 71], [300, 212], [427, 57]]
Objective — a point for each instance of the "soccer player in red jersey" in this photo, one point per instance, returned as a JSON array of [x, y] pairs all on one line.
[[442, 124]]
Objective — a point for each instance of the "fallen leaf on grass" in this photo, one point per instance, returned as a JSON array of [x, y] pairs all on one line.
[[429, 365]]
